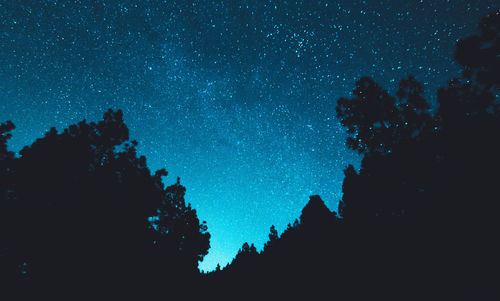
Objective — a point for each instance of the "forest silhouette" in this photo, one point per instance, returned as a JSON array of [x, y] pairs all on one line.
[[81, 215]]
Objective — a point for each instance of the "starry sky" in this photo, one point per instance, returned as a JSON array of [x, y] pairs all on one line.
[[236, 97]]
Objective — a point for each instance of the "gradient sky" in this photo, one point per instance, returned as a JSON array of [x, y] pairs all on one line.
[[235, 97]]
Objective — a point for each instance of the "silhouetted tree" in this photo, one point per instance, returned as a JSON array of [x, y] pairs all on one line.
[[478, 54], [6, 158], [84, 201], [368, 117], [469, 118], [5, 129], [246, 257], [397, 146], [378, 122], [273, 236], [424, 179], [180, 239], [316, 214], [8, 260]]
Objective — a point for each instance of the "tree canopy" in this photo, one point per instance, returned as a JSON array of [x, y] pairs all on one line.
[[417, 220], [85, 210]]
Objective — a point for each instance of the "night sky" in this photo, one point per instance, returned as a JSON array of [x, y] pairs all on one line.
[[236, 97]]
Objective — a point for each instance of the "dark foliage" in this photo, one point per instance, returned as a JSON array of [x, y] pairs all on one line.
[[289, 264], [7, 267], [85, 215], [419, 219], [478, 54]]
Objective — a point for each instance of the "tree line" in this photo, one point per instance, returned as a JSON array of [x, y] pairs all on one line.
[[419, 219], [81, 214]]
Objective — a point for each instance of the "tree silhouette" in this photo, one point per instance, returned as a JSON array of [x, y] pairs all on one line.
[[418, 219], [379, 122], [469, 117], [6, 158], [398, 149], [273, 237], [367, 117], [181, 241], [316, 213], [478, 54], [424, 179], [8, 259], [83, 207]]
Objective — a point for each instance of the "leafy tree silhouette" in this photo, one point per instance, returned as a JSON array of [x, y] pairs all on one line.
[[397, 146], [378, 122], [84, 202], [418, 220], [273, 237], [419, 167], [469, 117], [366, 117], [6, 158], [8, 261], [180, 237], [478, 54]]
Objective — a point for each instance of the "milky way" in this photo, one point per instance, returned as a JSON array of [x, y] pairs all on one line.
[[235, 97]]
